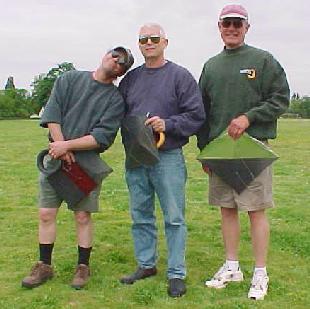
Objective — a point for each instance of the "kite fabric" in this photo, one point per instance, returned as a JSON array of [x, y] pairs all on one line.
[[72, 182], [237, 162], [139, 143]]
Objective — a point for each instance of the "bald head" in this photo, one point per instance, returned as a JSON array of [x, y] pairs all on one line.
[[153, 27], [152, 43]]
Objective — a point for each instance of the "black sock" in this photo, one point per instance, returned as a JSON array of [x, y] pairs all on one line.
[[84, 254], [46, 253]]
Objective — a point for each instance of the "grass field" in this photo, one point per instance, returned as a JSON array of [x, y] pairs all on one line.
[[289, 261]]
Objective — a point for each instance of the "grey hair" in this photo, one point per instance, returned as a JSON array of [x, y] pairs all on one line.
[[161, 29]]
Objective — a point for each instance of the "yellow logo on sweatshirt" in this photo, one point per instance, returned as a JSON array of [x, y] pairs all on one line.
[[251, 73]]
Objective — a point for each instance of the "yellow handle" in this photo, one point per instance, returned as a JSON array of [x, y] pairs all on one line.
[[161, 139]]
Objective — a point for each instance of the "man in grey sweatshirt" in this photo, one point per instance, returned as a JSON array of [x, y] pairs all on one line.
[[83, 115]]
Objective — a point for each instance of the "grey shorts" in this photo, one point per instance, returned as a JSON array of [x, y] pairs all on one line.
[[257, 196], [48, 198]]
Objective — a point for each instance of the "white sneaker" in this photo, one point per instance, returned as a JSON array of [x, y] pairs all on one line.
[[223, 276], [259, 286]]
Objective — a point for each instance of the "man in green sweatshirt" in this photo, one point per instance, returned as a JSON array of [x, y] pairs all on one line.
[[244, 90]]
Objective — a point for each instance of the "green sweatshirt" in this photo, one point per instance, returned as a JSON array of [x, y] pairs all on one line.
[[247, 81]]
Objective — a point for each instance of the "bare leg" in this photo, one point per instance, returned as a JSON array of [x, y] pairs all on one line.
[[260, 236], [47, 225], [230, 232], [84, 228]]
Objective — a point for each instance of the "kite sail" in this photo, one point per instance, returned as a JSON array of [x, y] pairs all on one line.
[[237, 162]]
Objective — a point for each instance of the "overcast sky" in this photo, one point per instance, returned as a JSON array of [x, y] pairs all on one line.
[[38, 35]]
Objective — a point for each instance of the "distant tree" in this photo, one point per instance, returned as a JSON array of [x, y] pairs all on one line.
[[10, 83], [295, 96], [301, 106], [15, 103], [43, 84]]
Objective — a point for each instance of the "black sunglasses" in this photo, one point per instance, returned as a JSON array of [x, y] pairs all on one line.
[[236, 22], [143, 39]]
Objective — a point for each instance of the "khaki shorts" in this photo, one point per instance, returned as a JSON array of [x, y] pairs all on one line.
[[257, 196], [48, 198]]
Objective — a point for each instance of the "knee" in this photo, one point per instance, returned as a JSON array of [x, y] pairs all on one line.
[[229, 213], [142, 216], [47, 216], [258, 216], [175, 224], [82, 218], [174, 219]]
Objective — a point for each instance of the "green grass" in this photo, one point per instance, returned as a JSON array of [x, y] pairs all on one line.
[[288, 264]]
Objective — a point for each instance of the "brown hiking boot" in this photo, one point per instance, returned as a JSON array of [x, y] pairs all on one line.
[[40, 273], [81, 276]]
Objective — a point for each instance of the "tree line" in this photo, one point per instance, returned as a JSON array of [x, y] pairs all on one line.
[[20, 103], [299, 107]]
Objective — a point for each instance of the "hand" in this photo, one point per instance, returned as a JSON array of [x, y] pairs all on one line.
[[68, 157], [157, 124], [205, 168], [58, 149], [237, 126]]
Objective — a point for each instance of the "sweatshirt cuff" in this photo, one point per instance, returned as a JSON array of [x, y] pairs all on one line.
[[44, 122], [251, 116], [101, 141], [169, 125]]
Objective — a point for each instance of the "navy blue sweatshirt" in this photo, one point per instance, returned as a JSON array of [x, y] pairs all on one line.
[[169, 92]]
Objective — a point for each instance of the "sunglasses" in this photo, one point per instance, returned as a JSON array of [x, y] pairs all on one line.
[[120, 57], [236, 22], [143, 39]]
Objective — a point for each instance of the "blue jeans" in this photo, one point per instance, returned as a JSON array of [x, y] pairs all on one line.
[[167, 179]]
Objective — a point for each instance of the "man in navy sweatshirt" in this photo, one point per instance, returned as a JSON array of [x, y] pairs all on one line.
[[169, 93]]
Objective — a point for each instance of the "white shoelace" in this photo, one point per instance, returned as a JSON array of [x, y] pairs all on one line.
[[259, 282], [220, 272]]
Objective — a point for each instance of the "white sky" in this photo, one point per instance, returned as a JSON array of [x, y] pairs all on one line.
[[37, 35]]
